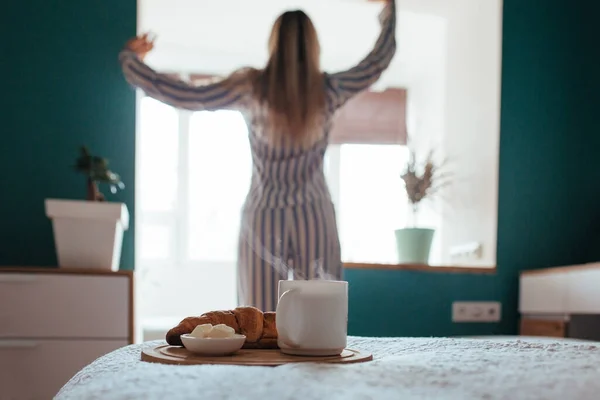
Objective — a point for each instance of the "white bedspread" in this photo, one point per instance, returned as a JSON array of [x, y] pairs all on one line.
[[402, 369]]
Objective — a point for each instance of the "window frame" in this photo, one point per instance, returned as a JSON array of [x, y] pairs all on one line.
[[177, 221]]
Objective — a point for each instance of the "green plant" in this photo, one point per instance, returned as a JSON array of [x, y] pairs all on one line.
[[422, 180], [96, 171]]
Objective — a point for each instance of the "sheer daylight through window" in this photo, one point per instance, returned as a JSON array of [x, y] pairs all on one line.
[[194, 174]]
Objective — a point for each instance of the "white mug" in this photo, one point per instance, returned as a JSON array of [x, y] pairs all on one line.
[[312, 317]]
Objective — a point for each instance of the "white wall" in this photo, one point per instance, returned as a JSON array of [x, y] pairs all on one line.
[[452, 72], [425, 81], [472, 122]]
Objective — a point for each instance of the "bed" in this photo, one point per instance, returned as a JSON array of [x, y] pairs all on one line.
[[403, 368]]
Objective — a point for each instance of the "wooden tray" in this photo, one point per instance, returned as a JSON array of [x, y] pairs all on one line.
[[176, 355]]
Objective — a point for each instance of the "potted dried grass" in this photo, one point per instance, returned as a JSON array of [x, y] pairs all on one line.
[[89, 234], [422, 180]]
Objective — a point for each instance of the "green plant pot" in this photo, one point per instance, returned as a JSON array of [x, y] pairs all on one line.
[[414, 245]]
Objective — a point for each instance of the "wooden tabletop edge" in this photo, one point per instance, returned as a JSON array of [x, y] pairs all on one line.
[[424, 268], [56, 270], [561, 269]]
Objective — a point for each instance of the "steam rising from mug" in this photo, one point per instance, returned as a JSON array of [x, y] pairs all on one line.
[[277, 262]]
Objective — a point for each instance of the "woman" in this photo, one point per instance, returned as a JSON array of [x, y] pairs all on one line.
[[288, 220]]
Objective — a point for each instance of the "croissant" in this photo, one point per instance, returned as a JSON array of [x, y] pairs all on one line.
[[258, 327]]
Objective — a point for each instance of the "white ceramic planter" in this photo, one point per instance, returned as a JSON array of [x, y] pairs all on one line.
[[88, 234]]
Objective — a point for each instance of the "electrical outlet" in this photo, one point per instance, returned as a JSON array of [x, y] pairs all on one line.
[[467, 251], [476, 311]]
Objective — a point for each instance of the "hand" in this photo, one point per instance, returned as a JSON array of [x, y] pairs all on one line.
[[140, 45]]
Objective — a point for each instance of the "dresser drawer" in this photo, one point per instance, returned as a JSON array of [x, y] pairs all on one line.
[[545, 328], [35, 370], [64, 306]]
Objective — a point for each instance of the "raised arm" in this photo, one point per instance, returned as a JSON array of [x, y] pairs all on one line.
[[345, 84], [229, 93]]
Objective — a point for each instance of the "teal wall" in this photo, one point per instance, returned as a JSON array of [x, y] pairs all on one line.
[[549, 179], [62, 88], [413, 303]]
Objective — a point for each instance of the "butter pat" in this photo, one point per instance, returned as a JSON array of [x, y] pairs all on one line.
[[221, 331], [201, 331], [206, 331]]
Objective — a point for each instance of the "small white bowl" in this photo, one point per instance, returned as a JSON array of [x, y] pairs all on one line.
[[213, 346]]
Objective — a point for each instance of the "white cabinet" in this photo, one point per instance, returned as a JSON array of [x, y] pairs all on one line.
[[563, 301], [37, 369], [543, 293], [583, 287], [562, 290], [53, 322]]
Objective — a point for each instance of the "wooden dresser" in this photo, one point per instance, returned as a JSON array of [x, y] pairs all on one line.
[[53, 322], [561, 302]]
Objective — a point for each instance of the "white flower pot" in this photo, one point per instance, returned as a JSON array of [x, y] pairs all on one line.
[[88, 234]]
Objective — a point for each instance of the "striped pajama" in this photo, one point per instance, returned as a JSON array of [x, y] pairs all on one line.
[[301, 240], [288, 221]]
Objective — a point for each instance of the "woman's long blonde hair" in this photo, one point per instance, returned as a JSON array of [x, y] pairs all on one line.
[[292, 85]]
